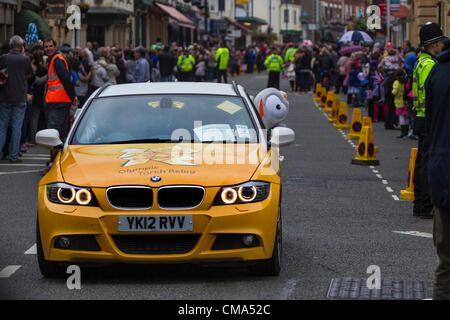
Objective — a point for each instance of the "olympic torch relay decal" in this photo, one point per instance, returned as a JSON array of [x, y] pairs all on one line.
[[173, 156]]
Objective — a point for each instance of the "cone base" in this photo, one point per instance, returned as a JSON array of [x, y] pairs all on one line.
[[353, 136], [327, 110], [331, 120], [366, 162], [343, 127], [406, 195]]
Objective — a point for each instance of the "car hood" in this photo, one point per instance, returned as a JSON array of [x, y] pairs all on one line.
[[135, 164]]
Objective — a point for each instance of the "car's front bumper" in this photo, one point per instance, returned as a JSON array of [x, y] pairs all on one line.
[[259, 219]]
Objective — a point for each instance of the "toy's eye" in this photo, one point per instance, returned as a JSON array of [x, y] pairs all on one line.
[[278, 107]]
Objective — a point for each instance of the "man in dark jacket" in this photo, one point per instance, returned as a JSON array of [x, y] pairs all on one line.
[[166, 64], [437, 88], [13, 96]]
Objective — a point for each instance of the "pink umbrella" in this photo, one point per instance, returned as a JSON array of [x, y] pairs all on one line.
[[307, 43], [351, 49]]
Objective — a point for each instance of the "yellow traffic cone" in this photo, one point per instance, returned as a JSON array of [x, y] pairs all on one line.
[[323, 97], [365, 151], [332, 117], [342, 117], [408, 194], [355, 128], [318, 92], [329, 104]]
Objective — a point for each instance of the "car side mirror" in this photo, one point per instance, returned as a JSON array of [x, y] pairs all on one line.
[[49, 138], [282, 136]]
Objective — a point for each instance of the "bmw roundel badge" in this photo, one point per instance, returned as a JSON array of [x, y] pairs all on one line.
[[155, 179]]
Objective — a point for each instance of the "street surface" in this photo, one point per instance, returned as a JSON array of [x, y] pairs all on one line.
[[338, 219]]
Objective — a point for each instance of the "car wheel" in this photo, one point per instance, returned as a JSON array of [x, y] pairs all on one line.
[[49, 269], [272, 266]]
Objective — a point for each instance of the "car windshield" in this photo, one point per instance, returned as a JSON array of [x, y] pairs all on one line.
[[164, 118]]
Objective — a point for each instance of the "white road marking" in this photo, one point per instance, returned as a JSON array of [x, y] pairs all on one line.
[[36, 158], [32, 250], [9, 271], [379, 176], [375, 171], [25, 171], [384, 181], [41, 155], [389, 189], [371, 167], [288, 289], [416, 233], [395, 197], [22, 165]]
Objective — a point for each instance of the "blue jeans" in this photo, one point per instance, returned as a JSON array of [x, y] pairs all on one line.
[[13, 113]]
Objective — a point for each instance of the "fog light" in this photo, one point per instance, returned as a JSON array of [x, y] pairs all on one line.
[[64, 242], [249, 240]]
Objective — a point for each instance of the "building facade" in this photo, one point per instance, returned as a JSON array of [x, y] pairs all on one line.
[[7, 10], [422, 11]]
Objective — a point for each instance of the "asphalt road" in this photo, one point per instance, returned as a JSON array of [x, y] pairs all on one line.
[[338, 219]]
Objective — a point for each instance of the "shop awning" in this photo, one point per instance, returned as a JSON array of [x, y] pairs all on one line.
[[180, 18], [290, 33], [252, 20], [25, 17], [238, 25]]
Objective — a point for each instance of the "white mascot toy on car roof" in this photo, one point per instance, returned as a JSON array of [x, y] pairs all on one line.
[[272, 105]]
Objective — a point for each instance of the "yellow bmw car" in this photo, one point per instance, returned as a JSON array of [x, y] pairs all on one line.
[[164, 173]]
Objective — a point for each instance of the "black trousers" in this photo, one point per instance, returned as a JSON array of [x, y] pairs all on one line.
[[274, 80], [422, 201], [222, 74], [185, 76], [441, 238]]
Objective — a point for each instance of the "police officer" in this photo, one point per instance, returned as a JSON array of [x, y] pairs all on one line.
[[274, 65], [431, 38], [186, 63], [222, 58], [290, 54], [438, 132]]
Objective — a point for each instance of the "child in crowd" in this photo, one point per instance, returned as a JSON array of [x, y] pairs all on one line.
[[398, 90], [353, 86]]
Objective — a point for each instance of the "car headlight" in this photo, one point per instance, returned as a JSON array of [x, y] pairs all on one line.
[[63, 193], [252, 191]]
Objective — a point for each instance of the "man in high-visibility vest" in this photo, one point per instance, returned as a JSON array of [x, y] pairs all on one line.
[[222, 58], [59, 93], [275, 66], [431, 38], [290, 54], [186, 63]]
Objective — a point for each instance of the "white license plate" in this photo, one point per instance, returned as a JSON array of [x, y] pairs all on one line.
[[155, 223]]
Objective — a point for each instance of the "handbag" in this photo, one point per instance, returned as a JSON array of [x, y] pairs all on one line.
[[3, 71]]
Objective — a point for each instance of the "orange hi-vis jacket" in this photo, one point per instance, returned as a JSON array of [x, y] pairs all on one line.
[[55, 89]]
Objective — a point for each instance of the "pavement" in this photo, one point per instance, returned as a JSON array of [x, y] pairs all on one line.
[[338, 220]]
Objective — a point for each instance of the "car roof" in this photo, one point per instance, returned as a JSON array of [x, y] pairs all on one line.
[[168, 88]]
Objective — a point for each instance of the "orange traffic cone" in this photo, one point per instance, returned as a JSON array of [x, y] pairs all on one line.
[[408, 194], [355, 128], [329, 104], [318, 92], [332, 117], [342, 118], [365, 151], [323, 98]]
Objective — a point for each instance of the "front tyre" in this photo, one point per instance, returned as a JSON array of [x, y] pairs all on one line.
[[272, 266]]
